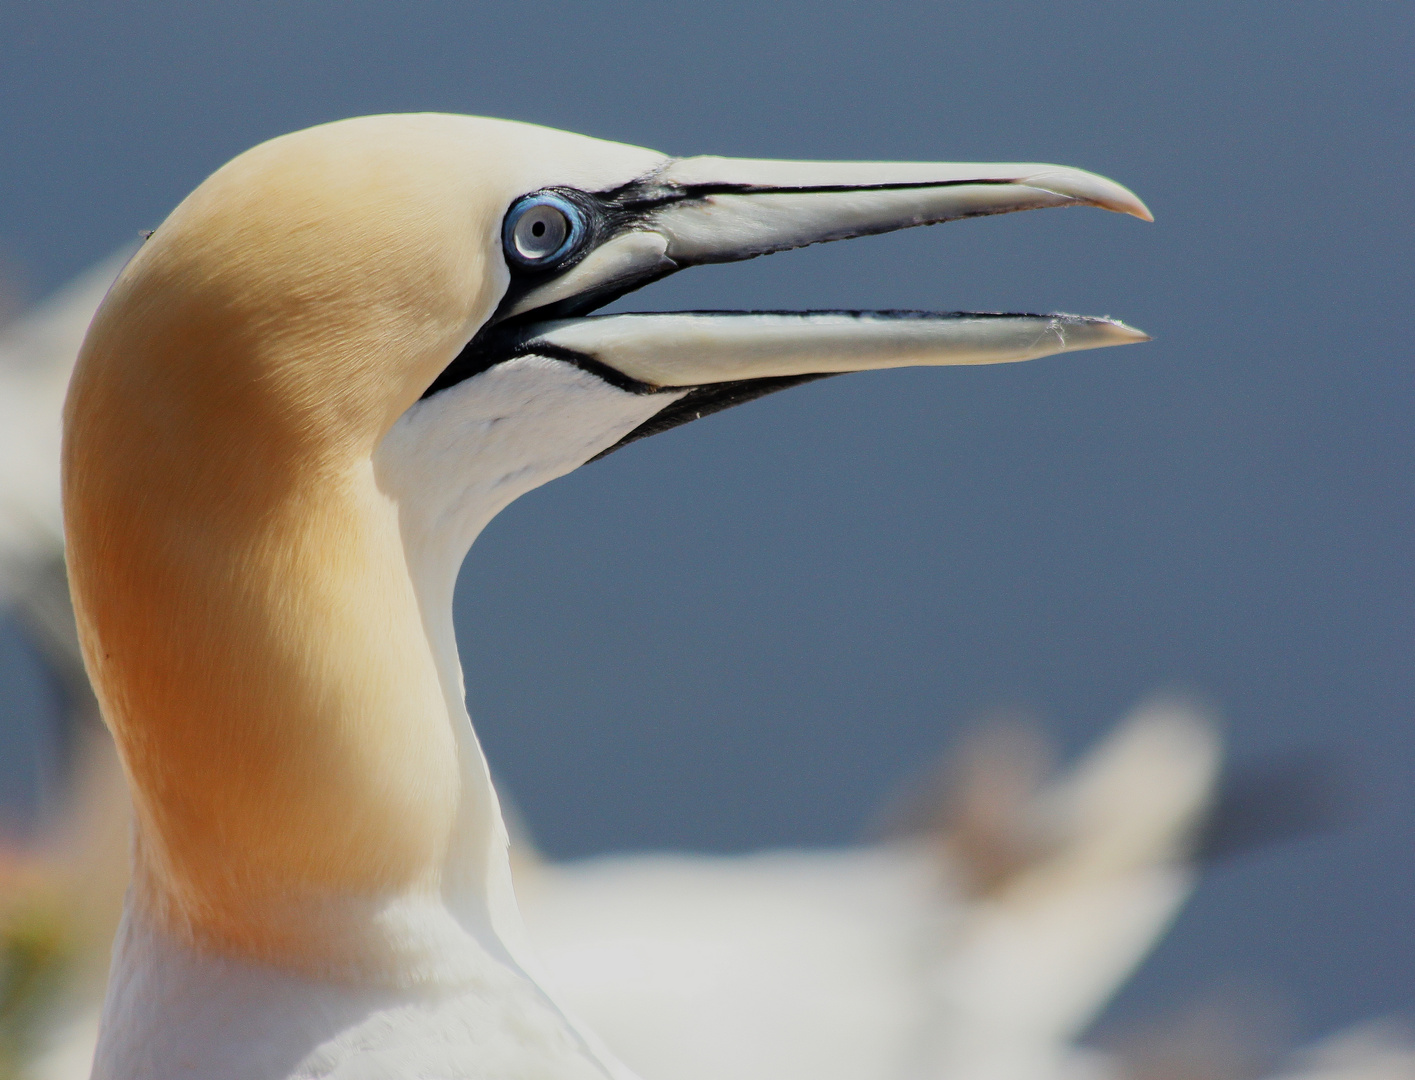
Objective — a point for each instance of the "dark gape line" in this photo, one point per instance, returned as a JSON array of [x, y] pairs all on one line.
[[706, 400], [496, 345]]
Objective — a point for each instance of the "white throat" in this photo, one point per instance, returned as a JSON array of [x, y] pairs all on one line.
[[451, 463]]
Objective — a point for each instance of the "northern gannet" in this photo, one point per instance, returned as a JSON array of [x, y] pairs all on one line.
[[301, 400]]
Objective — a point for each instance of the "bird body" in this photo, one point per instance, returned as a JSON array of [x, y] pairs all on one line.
[[299, 403], [937, 954]]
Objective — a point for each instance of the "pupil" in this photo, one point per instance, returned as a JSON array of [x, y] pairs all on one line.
[[541, 230]]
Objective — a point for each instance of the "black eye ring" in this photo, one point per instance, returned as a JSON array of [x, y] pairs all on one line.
[[542, 230]]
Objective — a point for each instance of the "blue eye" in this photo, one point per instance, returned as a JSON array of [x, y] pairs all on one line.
[[542, 229]]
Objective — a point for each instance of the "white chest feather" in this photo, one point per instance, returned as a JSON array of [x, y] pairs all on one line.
[[176, 1013]]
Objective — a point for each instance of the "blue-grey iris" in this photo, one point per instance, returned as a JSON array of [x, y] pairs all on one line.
[[542, 229]]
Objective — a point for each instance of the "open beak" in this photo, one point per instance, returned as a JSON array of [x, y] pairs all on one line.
[[693, 211]]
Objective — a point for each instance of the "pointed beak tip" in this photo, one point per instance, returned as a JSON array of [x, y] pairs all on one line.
[[1128, 335], [1125, 201], [1089, 189], [1102, 332]]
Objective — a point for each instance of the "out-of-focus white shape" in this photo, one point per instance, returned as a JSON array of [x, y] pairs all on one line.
[[66, 1050], [37, 354], [798, 964], [1034, 963], [879, 962], [1382, 1050]]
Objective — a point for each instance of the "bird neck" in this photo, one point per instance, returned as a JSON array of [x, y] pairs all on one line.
[[308, 788], [287, 705]]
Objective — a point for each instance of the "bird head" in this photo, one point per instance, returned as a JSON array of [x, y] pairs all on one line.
[[322, 375], [327, 283]]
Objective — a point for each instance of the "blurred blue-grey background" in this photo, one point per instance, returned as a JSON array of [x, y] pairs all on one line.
[[744, 633]]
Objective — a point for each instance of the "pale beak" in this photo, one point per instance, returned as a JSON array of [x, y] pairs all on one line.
[[707, 210], [690, 348]]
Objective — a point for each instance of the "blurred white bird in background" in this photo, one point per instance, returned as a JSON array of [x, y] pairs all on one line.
[[977, 943]]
